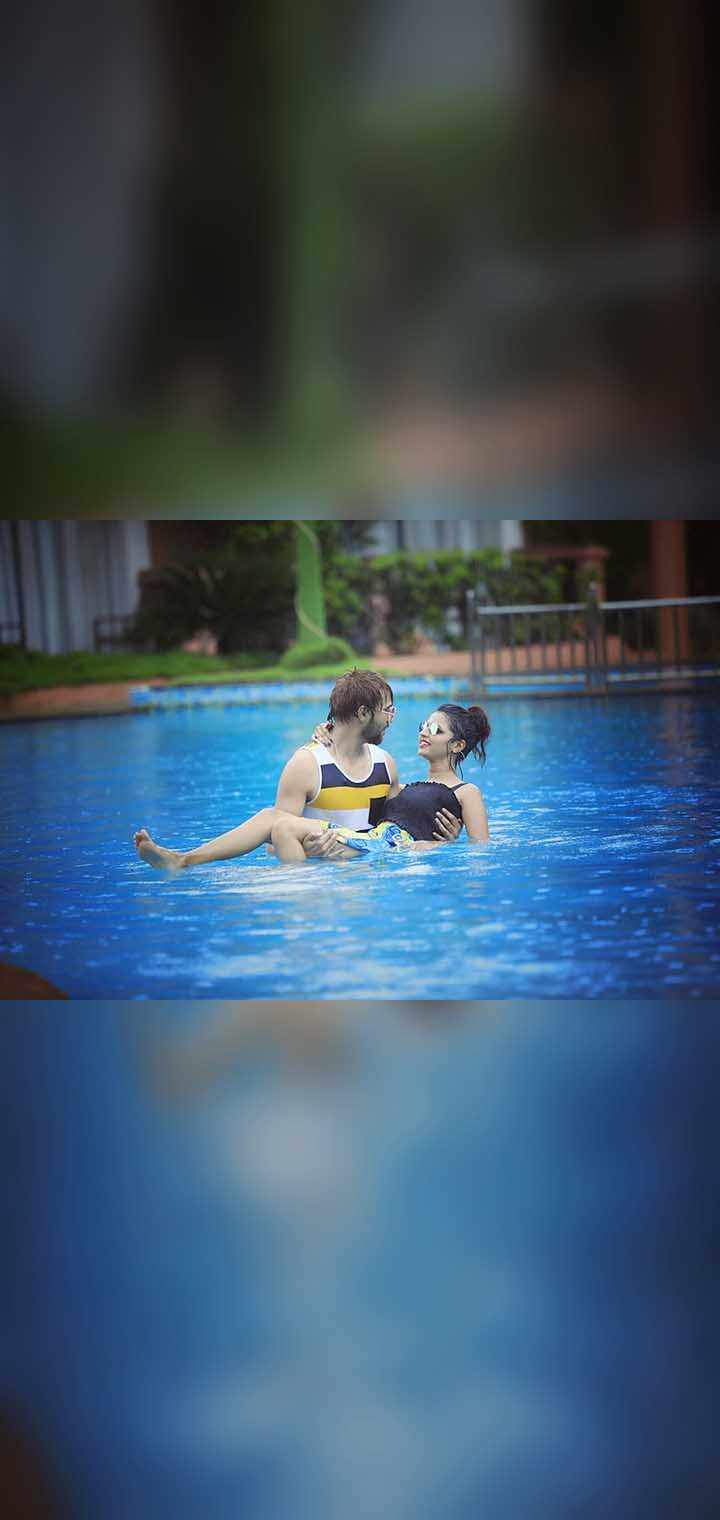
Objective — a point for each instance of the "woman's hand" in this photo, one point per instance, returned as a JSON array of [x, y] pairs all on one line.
[[447, 827], [323, 734]]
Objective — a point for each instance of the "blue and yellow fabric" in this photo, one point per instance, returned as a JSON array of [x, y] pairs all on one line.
[[387, 836]]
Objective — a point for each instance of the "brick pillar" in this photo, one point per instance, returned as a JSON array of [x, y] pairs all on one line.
[[669, 578]]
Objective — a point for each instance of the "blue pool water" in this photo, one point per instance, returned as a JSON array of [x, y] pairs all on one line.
[[601, 879], [390, 1260]]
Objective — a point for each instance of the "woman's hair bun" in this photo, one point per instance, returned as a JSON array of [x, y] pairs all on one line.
[[482, 726], [470, 724], [480, 716]]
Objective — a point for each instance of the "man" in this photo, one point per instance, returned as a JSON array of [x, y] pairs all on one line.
[[341, 776]]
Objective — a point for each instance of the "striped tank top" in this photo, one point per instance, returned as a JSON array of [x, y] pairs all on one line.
[[350, 804]]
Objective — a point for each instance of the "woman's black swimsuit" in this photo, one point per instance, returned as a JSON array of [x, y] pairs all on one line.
[[415, 806]]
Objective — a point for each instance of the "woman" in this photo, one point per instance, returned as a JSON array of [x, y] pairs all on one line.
[[447, 737]]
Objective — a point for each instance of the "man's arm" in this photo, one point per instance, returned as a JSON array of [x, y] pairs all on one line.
[[298, 783]]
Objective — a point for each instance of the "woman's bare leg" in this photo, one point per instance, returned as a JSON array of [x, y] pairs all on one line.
[[289, 834], [240, 841]]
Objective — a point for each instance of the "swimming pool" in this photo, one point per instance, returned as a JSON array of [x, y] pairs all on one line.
[[601, 879]]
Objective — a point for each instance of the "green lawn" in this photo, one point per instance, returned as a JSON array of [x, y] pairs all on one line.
[[122, 466], [26, 670]]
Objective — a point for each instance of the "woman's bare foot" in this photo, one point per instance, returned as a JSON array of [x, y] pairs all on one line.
[[156, 854]]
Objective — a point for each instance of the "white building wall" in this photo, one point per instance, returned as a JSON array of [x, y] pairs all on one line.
[[71, 572], [9, 612], [427, 534], [511, 534]]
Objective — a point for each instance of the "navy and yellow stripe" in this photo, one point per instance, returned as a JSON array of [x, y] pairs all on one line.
[[347, 803]]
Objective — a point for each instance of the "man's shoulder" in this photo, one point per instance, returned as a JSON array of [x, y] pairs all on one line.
[[383, 756], [305, 756]]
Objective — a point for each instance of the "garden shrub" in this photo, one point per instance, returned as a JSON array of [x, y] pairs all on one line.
[[245, 598], [330, 651], [244, 594]]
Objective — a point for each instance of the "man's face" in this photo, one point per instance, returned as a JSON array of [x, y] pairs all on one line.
[[378, 722]]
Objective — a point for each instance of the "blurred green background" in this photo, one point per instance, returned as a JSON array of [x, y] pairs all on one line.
[[261, 252]]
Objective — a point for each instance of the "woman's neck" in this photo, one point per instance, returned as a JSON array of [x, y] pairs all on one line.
[[442, 773]]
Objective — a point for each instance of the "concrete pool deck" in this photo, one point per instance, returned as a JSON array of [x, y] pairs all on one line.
[[111, 699], [435, 672], [102, 699], [96, 699]]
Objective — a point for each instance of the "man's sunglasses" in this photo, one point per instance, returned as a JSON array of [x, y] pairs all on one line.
[[391, 709]]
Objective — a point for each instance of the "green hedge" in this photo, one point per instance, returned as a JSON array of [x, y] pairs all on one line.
[[421, 589]]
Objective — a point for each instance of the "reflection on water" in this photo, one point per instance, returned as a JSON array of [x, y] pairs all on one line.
[[317, 1260]]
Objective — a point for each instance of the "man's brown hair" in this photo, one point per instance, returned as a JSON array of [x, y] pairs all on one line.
[[358, 688]]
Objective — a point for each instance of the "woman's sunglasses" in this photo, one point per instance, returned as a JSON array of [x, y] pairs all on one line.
[[432, 728]]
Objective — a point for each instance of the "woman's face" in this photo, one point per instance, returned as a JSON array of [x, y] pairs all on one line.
[[435, 736]]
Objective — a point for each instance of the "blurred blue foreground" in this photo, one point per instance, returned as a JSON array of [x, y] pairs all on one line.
[[313, 1260]]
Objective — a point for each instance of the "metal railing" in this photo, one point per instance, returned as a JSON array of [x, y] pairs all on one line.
[[12, 635], [594, 644], [112, 631]]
